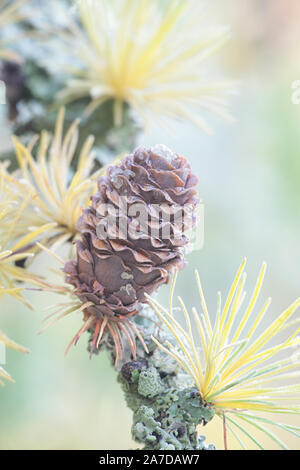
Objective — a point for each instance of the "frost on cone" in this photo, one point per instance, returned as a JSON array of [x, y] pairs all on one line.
[[132, 238]]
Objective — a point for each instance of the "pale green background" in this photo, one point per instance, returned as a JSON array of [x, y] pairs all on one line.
[[249, 176]]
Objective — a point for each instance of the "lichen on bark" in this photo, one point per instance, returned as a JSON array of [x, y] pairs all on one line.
[[167, 408]]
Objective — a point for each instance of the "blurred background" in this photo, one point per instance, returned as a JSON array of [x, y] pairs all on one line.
[[249, 174]]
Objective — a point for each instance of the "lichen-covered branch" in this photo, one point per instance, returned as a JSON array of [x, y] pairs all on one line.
[[167, 409]]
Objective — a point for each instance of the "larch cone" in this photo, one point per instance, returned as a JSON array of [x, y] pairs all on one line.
[[132, 239]]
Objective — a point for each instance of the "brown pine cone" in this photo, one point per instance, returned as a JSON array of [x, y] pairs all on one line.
[[132, 238]]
